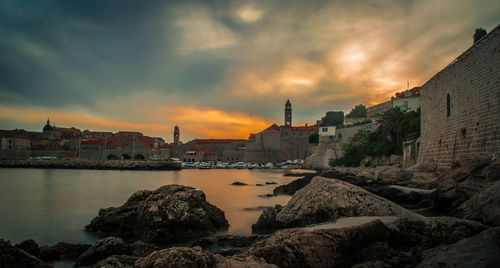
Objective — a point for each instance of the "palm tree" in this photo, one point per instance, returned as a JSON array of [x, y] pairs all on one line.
[[390, 125]]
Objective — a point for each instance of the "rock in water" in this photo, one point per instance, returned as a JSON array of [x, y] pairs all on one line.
[[326, 200], [170, 213], [102, 249], [11, 256]]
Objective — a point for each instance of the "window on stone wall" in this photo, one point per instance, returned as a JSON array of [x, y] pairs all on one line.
[[448, 105]]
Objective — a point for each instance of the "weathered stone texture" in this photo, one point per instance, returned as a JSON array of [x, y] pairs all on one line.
[[472, 129]]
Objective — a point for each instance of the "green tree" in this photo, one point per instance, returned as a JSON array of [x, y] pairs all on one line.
[[359, 111], [314, 138], [480, 33], [395, 126]]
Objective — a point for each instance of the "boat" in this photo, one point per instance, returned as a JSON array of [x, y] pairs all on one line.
[[205, 165]]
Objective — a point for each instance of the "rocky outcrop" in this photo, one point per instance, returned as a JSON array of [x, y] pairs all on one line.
[[326, 200], [227, 245], [116, 261], [332, 247], [484, 206], [482, 250], [102, 249], [62, 251], [170, 213], [177, 257], [295, 185], [13, 257], [407, 195]]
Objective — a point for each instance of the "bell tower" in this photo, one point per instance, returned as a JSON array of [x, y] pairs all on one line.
[[176, 135], [288, 113]]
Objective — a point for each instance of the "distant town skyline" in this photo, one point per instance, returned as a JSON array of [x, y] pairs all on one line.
[[219, 69]]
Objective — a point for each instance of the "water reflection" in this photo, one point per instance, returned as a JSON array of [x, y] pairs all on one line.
[[54, 205]]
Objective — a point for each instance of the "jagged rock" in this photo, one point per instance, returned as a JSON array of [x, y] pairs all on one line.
[[227, 242], [482, 250], [12, 257], [116, 261], [326, 200], [484, 206], [492, 171], [170, 213], [292, 187], [330, 247], [142, 249], [238, 183], [62, 251], [433, 231], [102, 249], [30, 246], [407, 195], [177, 257]]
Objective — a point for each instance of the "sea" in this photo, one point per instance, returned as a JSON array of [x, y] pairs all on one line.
[[54, 205]]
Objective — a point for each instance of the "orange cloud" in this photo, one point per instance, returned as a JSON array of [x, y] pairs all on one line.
[[194, 122]]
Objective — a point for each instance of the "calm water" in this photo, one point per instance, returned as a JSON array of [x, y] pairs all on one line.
[[54, 205]]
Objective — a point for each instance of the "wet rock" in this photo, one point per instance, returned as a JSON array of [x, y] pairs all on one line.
[[326, 200], [482, 250], [170, 213], [142, 249], [177, 257], [62, 251], [270, 182], [227, 242], [116, 261], [238, 183], [484, 206], [259, 184], [30, 246], [292, 187], [13, 257], [102, 249]]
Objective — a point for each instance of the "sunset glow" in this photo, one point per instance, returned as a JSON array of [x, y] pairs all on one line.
[[219, 70]]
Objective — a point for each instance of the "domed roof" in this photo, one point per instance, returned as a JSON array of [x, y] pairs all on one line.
[[47, 126]]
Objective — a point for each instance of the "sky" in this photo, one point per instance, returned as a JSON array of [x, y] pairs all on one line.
[[219, 69]]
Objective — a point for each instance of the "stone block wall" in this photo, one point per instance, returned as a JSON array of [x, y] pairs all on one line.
[[472, 128]]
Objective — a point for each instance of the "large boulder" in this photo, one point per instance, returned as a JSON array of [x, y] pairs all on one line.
[[330, 246], [177, 257], [484, 206], [102, 249], [482, 250], [62, 251], [326, 200], [170, 213], [14, 257]]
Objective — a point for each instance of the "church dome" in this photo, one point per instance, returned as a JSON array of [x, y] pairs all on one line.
[[47, 126]]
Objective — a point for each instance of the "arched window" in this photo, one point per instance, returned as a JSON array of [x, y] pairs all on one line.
[[448, 105]]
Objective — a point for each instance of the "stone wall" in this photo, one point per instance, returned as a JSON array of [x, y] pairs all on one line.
[[472, 128]]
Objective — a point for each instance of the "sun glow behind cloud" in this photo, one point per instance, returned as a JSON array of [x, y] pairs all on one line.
[[219, 69], [194, 122]]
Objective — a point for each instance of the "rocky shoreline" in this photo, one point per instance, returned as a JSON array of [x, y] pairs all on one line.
[[343, 217], [92, 164]]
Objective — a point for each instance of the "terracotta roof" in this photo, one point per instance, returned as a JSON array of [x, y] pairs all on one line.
[[304, 128], [414, 92], [272, 128]]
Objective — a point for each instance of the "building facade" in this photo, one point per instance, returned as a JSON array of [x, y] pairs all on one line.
[[461, 107]]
